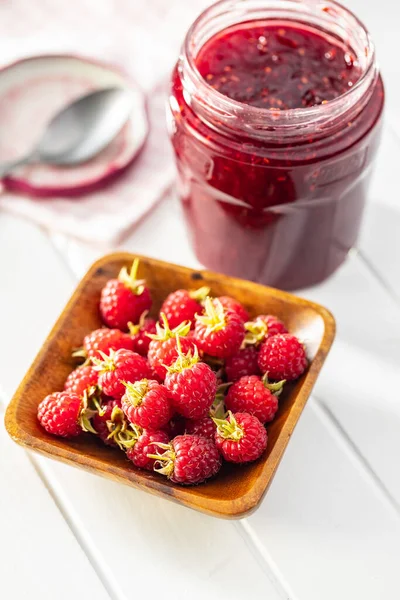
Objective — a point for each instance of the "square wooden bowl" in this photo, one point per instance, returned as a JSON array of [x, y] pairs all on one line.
[[237, 490]]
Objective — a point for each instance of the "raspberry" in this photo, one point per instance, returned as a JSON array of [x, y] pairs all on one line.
[[245, 362], [234, 306], [162, 350], [124, 299], [165, 354], [255, 396], [192, 385], [188, 459], [141, 341], [118, 367], [183, 305], [261, 328], [147, 404], [240, 438], [274, 325], [219, 332], [146, 443], [282, 357], [155, 376], [61, 414], [104, 340], [204, 427], [81, 380]]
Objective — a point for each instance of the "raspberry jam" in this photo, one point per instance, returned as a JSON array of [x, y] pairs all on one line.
[[275, 122], [277, 65]]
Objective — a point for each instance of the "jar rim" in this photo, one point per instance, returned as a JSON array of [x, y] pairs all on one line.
[[259, 118]]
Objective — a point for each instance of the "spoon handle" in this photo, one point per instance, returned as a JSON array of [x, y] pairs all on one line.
[[8, 167]]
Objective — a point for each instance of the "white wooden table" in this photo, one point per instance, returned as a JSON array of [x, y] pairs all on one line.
[[328, 529]]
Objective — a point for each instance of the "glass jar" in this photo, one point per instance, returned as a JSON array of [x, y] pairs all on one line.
[[274, 196]]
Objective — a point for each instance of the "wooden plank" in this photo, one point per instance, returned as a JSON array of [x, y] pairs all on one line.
[[39, 556], [324, 524], [380, 240], [360, 382], [140, 539]]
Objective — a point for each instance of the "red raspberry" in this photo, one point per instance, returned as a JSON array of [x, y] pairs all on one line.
[[81, 380], [141, 341], [146, 444], [219, 332], [124, 299], [146, 403], [234, 306], [245, 362], [261, 328], [112, 426], [104, 340], [188, 459], [240, 438], [204, 427], [274, 325], [59, 414], [255, 396], [118, 367], [282, 357], [183, 305], [192, 385], [163, 349]]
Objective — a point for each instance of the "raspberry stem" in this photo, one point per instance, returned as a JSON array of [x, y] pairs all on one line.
[[214, 315], [85, 414], [119, 431], [256, 332], [217, 409], [134, 329], [184, 361], [168, 457], [165, 333], [276, 387], [107, 363], [200, 294], [136, 391], [129, 279], [81, 353], [229, 428]]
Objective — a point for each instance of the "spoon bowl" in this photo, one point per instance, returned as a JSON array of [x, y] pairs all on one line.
[[85, 127], [81, 130]]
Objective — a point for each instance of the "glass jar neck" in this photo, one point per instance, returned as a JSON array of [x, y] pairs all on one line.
[[231, 117]]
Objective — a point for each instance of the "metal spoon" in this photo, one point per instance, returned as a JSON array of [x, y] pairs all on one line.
[[80, 131]]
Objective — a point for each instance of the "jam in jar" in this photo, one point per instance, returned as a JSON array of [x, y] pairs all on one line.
[[275, 113]]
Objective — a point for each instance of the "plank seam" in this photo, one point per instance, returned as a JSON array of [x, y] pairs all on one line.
[[377, 275], [94, 562], [48, 235], [330, 420], [264, 560]]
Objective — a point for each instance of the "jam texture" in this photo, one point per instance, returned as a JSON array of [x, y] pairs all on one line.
[[284, 212], [277, 66]]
